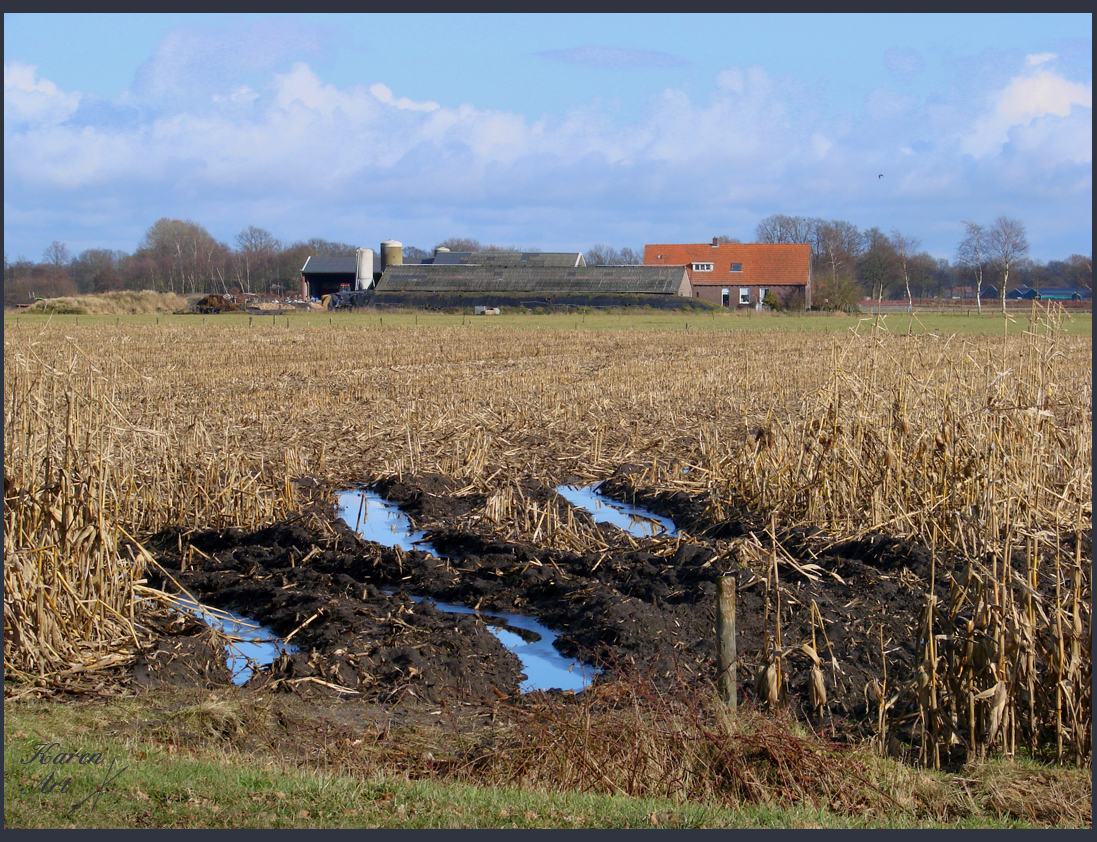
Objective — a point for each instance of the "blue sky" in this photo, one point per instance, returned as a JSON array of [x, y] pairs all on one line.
[[545, 131]]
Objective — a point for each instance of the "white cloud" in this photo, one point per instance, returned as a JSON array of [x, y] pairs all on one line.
[[192, 66], [1034, 96], [242, 95], [1040, 58], [29, 99], [732, 80], [288, 142], [820, 145], [384, 94]]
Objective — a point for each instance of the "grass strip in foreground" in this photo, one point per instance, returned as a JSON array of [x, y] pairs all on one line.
[[157, 777]]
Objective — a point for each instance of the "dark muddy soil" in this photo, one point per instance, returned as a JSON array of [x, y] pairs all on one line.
[[645, 608]]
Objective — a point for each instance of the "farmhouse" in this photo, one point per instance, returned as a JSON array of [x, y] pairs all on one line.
[[739, 275]]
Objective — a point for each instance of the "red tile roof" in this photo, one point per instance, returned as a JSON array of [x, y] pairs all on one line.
[[763, 264]]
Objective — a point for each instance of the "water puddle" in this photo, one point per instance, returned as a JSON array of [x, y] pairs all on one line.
[[376, 519], [544, 666], [638, 522], [381, 521], [251, 645]]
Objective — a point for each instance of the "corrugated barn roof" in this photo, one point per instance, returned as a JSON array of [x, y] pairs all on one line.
[[331, 265], [589, 280], [507, 258]]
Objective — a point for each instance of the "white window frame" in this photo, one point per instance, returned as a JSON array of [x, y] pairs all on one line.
[[702, 267], [725, 297], [744, 295]]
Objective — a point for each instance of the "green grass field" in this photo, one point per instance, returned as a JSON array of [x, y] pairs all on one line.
[[180, 761], [988, 323]]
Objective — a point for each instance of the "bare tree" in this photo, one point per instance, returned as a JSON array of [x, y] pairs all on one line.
[[1007, 244], [57, 254], [257, 248], [327, 248], [185, 254], [905, 248], [877, 264], [972, 253], [96, 270], [598, 255], [780, 228], [1081, 271], [603, 255], [460, 244], [839, 246]]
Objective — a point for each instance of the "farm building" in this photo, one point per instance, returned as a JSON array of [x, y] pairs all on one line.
[[1049, 294], [450, 285], [738, 275], [326, 275], [507, 259]]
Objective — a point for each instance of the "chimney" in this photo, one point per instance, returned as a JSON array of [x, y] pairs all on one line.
[[714, 243]]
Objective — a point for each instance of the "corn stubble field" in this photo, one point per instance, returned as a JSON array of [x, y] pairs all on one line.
[[978, 447]]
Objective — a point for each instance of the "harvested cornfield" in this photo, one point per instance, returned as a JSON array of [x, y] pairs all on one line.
[[790, 458]]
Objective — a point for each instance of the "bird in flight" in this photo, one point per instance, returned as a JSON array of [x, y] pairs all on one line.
[[881, 175]]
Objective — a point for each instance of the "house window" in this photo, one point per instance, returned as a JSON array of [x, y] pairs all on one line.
[[736, 267], [762, 293], [725, 296], [701, 267], [744, 295]]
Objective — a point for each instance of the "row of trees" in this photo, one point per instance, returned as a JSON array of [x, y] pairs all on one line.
[[175, 255], [848, 264]]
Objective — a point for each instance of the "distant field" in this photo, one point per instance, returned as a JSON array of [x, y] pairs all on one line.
[[929, 323]]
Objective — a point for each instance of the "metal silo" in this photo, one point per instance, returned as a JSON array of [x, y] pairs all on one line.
[[364, 278], [392, 254]]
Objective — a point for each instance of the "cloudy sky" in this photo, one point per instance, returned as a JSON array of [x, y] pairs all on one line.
[[544, 131]]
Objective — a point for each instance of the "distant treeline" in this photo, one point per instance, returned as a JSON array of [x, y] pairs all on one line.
[[182, 257]]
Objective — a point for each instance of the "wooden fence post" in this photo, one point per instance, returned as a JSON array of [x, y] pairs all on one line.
[[725, 640]]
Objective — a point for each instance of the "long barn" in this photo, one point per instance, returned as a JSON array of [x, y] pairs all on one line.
[[546, 285]]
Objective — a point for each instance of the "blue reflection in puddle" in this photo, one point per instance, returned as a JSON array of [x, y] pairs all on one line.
[[376, 519], [381, 521], [252, 645], [636, 521], [544, 666]]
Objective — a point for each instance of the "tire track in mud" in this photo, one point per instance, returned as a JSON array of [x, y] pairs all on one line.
[[643, 607]]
